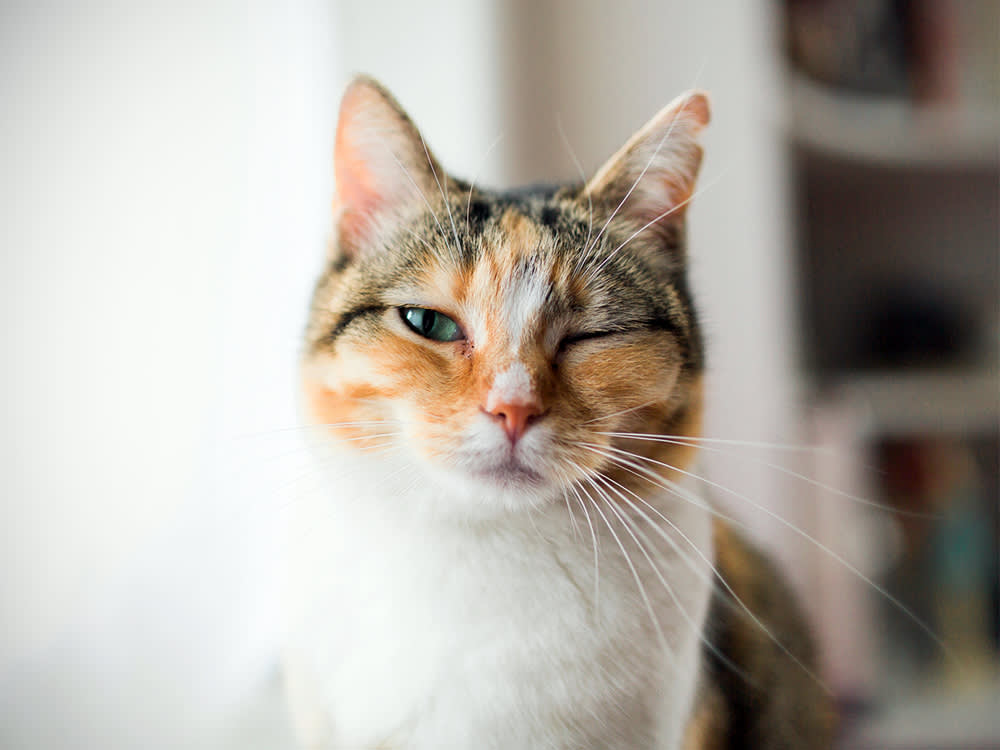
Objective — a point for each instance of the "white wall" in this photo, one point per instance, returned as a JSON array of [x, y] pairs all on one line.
[[164, 205], [442, 60]]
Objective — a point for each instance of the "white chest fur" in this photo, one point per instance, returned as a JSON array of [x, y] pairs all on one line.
[[408, 631]]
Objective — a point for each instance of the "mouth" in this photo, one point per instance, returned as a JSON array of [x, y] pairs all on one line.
[[510, 472]]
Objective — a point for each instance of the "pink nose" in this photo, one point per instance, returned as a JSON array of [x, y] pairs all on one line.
[[515, 418]]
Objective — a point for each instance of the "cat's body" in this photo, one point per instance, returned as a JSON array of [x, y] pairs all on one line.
[[498, 558]]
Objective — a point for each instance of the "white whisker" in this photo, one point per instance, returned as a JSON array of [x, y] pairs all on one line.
[[649, 163], [812, 540], [716, 576], [569, 512], [621, 413], [314, 425], [593, 539], [472, 185], [725, 441], [590, 198], [419, 191], [593, 272], [695, 627], [447, 203], [784, 470], [628, 560]]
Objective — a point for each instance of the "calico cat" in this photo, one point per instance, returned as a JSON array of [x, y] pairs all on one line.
[[500, 556]]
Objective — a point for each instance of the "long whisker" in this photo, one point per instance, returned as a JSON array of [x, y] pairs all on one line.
[[621, 413], [569, 509], [629, 524], [593, 272], [791, 447], [788, 472], [659, 481], [812, 540], [628, 560], [315, 425], [590, 198], [593, 539], [419, 191], [472, 185], [649, 163], [444, 196], [716, 575]]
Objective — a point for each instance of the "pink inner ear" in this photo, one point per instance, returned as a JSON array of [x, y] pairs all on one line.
[[367, 172], [358, 195], [374, 142], [357, 198], [676, 174]]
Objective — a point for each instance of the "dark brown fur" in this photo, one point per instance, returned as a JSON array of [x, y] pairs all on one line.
[[763, 699]]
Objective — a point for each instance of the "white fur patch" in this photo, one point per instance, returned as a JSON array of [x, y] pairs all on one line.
[[512, 386], [521, 303]]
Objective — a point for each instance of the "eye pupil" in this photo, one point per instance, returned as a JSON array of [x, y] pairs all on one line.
[[427, 322]]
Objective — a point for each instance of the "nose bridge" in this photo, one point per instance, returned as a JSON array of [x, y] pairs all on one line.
[[518, 367], [516, 373], [511, 384]]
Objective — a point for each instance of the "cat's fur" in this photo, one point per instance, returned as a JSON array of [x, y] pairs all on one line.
[[482, 567]]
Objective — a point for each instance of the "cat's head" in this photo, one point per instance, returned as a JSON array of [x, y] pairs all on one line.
[[489, 342]]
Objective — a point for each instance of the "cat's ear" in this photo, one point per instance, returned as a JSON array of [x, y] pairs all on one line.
[[651, 179], [384, 172]]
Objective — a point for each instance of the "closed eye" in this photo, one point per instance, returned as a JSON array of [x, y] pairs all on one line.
[[652, 324], [576, 338]]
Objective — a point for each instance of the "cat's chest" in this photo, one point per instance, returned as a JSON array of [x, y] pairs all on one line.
[[407, 626]]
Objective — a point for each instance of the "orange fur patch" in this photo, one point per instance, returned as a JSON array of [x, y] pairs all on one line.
[[705, 725], [673, 459]]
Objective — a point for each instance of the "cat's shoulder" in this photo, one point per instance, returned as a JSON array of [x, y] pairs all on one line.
[[759, 687]]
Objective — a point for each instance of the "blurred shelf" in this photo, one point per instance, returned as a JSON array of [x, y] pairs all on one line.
[[959, 402], [967, 721], [891, 131]]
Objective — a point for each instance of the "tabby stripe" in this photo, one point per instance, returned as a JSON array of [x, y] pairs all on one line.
[[670, 325], [350, 316], [656, 324]]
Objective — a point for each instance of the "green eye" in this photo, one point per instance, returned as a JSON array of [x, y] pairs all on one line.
[[431, 324]]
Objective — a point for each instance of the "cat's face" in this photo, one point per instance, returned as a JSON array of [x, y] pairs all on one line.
[[493, 340]]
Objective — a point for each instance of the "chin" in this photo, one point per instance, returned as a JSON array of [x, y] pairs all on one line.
[[484, 492]]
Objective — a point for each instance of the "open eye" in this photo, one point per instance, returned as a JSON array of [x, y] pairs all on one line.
[[431, 324]]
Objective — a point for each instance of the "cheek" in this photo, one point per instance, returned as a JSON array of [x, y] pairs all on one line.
[[443, 403], [430, 391], [620, 377], [370, 383], [349, 411]]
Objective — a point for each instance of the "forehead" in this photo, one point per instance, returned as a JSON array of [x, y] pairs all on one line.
[[514, 266], [522, 279]]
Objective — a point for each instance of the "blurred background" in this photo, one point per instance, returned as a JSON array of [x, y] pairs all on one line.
[[165, 205]]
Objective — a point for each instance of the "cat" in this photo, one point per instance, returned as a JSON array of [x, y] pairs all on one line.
[[505, 553]]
